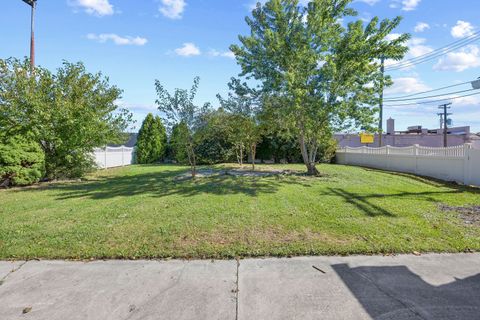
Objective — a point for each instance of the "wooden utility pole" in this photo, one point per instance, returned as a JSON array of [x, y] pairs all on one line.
[[445, 114], [32, 4], [380, 123]]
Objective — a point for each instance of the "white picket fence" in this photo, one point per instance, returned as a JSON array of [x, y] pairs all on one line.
[[111, 157], [460, 164]]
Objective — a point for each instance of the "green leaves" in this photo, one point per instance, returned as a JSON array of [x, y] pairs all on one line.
[[152, 140], [325, 76], [68, 113], [22, 161]]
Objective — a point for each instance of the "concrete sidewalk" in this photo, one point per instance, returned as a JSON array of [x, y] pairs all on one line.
[[445, 286]]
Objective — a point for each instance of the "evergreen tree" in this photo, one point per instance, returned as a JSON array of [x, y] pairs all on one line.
[[22, 161], [152, 140]]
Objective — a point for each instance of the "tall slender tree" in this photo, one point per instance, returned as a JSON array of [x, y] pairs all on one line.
[[243, 104], [323, 76], [152, 140], [179, 108]]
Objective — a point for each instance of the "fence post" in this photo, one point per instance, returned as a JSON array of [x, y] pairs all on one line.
[[105, 163], [123, 163], [466, 163], [415, 153], [387, 156]]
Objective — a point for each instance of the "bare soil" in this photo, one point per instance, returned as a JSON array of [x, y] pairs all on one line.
[[469, 214]]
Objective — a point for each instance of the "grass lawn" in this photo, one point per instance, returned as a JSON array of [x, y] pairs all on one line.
[[147, 212]]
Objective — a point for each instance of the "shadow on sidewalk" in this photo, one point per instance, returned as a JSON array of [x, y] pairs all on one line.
[[395, 292]]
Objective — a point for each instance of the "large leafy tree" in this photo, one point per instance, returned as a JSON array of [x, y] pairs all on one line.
[[179, 108], [323, 77], [68, 113], [152, 140]]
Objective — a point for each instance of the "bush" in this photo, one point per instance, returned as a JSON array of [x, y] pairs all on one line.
[[152, 140], [22, 162], [327, 150], [178, 142], [279, 149], [69, 113]]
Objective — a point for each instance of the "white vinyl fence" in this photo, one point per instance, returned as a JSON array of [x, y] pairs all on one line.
[[111, 157], [460, 164]]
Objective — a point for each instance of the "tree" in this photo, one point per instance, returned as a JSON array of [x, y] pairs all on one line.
[[69, 113], [213, 137], [152, 140], [322, 77], [179, 108], [178, 143], [243, 103], [22, 161]]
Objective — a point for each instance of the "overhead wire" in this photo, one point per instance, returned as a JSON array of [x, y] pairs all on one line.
[[432, 101]]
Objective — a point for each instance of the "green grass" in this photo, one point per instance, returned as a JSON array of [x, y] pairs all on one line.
[[146, 212]]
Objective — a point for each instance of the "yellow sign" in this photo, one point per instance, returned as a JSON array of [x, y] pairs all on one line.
[[367, 138]]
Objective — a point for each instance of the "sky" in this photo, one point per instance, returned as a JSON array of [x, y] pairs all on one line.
[[136, 42]]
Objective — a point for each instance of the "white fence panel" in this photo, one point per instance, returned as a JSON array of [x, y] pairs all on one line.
[[474, 167], [111, 157], [459, 163]]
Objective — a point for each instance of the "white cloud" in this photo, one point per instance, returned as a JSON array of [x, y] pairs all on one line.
[[189, 49], [369, 2], [421, 26], [407, 5], [225, 54], [253, 4], [118, 40], [173, 9], [462, 29], [417, 48], [95, 7], [468, 57], [406, 85]]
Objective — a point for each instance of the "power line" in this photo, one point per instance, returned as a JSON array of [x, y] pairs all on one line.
[[428, 91], [428, 97], [433, 54], [409, 64], [442, 49], [432, 101]]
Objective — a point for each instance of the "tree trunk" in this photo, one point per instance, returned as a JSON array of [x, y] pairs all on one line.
[[192, 161], [241, 156], [253, 153], [308, 157]]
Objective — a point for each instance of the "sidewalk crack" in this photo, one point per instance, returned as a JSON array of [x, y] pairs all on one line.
[[2, 280], [411, 307], [236, 290]]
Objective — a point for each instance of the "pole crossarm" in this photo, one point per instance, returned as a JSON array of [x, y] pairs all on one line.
[[30, 2]]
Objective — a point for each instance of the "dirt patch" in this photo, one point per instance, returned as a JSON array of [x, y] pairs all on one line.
[[470, 214], [205, 173], [258, 236]]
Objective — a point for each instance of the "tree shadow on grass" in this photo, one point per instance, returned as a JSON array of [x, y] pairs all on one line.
[[363, 201], [166, 183]]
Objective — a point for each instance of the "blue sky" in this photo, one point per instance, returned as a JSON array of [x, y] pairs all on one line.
[[136, 42]]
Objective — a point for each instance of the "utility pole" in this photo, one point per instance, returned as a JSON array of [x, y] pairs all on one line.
[[380, 124], [32, 4], [445, 115]]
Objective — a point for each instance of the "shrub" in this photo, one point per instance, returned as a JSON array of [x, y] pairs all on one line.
[[69, 113], [22, 161], [178, 141], [152, 140]]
